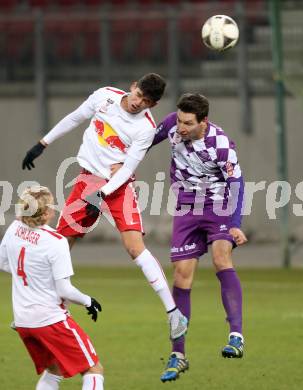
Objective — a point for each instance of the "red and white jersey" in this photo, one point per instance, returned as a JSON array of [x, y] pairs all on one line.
[[112, 135], [36, 257]]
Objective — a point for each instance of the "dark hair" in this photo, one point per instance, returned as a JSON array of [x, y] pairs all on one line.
[[194, 103], [152, 86]]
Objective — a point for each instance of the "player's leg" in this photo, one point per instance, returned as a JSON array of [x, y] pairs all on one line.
[[71, 348], [124, 208], [188, 243], [50, 379], [149, 265], [231, 293], [154, 274], [93, 378], [44, 361], [183, 278], [74, 221]]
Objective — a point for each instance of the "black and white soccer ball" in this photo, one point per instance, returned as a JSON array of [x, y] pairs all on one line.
[[220, 32]]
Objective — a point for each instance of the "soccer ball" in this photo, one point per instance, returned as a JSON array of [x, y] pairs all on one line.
[[220, 32]]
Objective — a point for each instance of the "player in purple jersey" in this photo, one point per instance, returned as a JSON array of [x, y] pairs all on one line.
[[209, 186]]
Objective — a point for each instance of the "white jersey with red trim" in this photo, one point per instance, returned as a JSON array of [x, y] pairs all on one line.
[[35, 257], [113, 133]]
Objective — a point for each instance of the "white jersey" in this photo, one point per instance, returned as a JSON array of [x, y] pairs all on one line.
[[35, 257], [112, 135]]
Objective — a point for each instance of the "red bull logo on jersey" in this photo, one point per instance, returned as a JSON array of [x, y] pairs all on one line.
[[104, 106], [108, 137]]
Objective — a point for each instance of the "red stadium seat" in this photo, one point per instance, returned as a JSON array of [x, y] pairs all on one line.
[[19, 42], [8, 5], [121, 38], [190, 30], [91, 34], [149, 46], [40, 3], [112, 3], [93, 3], [68, 3], [171, 2], [64, 38]]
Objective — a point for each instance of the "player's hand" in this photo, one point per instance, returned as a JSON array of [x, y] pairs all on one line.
[[93, 204], [238, 236], [31, 155], [114, 168], [93, 309]]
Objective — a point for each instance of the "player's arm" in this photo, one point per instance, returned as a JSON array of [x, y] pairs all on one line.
[[121, 176], [136, 153], [85, 111], [163, 128], [123, 173], [4, 264], [229, 165], [236, 188], [62, 270], [161, 134], [68, 292]]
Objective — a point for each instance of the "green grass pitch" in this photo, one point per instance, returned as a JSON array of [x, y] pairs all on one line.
[[131, 335]]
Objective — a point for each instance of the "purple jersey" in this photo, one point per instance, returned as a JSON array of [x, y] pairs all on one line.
[[205, 169]]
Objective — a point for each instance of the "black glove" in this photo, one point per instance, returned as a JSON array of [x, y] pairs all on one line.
[[33, 153], [93, 204], [93, 309]]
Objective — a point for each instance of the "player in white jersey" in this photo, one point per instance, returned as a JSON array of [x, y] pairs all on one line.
[[39, 260], [120, 131]]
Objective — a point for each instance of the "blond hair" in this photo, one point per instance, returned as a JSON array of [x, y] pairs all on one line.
[[33, 205]]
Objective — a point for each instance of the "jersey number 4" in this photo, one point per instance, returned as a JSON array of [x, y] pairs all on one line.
[[20, 269]]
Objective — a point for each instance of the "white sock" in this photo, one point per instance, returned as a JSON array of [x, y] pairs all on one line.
[[156, 278], [237, 334], [48, 381], [92, 382]]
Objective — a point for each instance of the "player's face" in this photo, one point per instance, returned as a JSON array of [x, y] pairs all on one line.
[[136, 101], [188, 127]]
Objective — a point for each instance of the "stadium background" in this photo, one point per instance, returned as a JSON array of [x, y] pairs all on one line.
[[53, 54]]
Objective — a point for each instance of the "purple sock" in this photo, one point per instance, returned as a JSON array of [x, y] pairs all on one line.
[[231, 293], [182, 299]]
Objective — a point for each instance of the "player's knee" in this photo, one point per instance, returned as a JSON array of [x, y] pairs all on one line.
[[182, 274], [134, 250], [183, 278], [96, 369], [133, 243], [222, 261], [54, 369]]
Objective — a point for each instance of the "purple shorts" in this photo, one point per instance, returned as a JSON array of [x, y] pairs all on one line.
[[192, 234]]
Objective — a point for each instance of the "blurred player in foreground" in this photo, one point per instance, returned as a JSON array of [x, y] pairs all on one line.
[[39, 260], [121, 130], [207, 179]]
